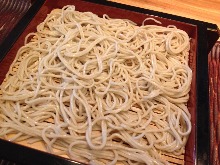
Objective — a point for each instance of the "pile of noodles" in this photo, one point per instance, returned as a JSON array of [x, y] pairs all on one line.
[[99, 90]]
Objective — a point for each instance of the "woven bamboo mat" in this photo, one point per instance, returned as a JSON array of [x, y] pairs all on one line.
[[11, 11], [214, 98]]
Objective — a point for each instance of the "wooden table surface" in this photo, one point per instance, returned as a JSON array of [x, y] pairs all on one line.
[[204, 10]]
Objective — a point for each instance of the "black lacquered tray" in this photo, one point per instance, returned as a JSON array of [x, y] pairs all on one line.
[[204, 36]]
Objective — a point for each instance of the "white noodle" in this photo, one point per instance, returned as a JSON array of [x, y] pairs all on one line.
[[100, 90]]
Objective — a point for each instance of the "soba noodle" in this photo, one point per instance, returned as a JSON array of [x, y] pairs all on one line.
[[100, 90]]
